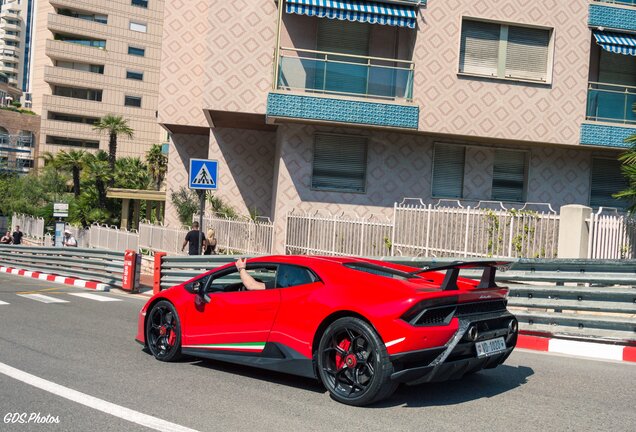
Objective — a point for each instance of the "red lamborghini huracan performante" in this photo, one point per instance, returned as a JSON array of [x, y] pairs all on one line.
[[359, 326]]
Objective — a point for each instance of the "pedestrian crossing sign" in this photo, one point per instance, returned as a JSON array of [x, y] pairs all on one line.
[[204, 174]]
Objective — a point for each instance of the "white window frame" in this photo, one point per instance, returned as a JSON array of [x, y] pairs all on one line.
[[138, 26], [504, 26]]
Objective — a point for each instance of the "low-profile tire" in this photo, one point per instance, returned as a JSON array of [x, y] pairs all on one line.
[[353, 363], [163, 332]]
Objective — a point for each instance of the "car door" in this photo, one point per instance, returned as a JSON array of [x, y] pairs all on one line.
[[233, 319]]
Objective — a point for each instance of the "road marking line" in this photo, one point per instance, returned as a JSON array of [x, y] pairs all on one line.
[[93, 402], [3, 303], [95, 297], [42, 298]]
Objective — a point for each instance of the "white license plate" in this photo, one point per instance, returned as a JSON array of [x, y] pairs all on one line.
[[490, 347]]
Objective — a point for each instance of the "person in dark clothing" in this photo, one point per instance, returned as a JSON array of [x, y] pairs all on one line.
[[17, 236], [192, 238]]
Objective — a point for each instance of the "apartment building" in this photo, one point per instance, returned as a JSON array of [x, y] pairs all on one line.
[[352, 106], [93, 58], [16, 28]]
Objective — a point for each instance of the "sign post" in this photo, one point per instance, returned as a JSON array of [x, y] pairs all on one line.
[[204, 174]]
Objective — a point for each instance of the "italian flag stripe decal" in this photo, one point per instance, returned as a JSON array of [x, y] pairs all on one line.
[[249, 346]]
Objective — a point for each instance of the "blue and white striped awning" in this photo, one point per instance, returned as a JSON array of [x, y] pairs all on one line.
[[619, 43], [372, 12]]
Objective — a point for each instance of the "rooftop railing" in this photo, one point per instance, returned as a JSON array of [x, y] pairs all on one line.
[[345, 74], [611, 103]]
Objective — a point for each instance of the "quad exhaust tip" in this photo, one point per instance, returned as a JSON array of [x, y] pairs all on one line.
[[513, 326], [472, 333]]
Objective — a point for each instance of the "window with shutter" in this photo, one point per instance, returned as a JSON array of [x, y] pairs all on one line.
[[340, 163], [342, 74], [505, 51], [509, 175], [527, 53], [607, 179], [479, 50], [448, 171]]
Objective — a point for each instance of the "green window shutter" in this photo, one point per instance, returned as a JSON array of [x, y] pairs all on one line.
[[479, 51], [509, 175], [527, 53], [607, 179], [342, 74], [448, 171], [340, 163], [344, 37]]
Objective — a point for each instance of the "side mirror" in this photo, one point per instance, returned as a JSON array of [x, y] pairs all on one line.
[[194, 287]]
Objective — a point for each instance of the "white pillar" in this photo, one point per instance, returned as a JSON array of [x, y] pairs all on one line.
[[574, 231]]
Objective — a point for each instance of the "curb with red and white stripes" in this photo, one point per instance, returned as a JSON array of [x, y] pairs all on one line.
[[578, 348], [58, 279]]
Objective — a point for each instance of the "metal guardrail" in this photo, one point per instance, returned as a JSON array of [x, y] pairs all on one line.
[[91, 264], [579, 299]]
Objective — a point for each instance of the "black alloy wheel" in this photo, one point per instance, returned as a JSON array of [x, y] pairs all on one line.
[[353, 363], [163, 332]]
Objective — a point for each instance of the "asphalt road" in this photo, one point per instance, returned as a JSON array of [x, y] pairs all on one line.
[[87, 346]]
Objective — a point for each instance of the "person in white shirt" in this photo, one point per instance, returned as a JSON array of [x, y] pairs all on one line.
[[68, 239]]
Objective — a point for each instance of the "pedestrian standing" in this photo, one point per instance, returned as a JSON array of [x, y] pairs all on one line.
[[68, 239], [17, 235], [7, 238], [192, 238], [211, 238]]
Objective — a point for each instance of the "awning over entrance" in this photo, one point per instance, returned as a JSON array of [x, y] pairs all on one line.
[[619, 43], [372, 12]]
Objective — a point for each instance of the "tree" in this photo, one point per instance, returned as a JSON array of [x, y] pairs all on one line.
[[157, 164], [72, 161], [628, 160], [98, 167], [131, 173], [114, 126], [186, 203]]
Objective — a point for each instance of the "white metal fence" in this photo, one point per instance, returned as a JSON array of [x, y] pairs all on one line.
[[108, 237], [32, 227], [487, 230], [236, 236], [327, 234], [160, 238], [417, 229], [612, 235]]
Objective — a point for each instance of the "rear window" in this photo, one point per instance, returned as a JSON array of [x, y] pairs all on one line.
[[380, 271]]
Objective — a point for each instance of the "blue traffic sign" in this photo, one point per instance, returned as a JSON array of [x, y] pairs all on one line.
[[204, 174]]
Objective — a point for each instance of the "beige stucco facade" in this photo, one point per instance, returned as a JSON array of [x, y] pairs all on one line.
[[226, 74], [104, 67]]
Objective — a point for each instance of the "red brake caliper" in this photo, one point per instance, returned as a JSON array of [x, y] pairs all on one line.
[[344, 360], [172, 338]]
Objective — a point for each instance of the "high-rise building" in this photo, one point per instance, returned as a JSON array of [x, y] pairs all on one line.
[[93, 58], [16, 27], [368, 102]]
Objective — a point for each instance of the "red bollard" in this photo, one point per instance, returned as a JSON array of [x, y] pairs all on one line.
[[130, 279], [156, 285]]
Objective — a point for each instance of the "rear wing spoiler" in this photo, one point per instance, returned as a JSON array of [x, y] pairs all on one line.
[[452, 272]]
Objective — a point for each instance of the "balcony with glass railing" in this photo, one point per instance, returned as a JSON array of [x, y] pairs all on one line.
[[617, 2], [611, 103], [325, 73]]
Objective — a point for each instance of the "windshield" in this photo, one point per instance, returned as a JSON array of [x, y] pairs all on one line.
[[381, 271]]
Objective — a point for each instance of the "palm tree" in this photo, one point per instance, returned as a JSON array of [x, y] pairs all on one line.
[[628, 160], [72, 161], [131, 173], [114, 125], [99, 168], [157, 164]]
